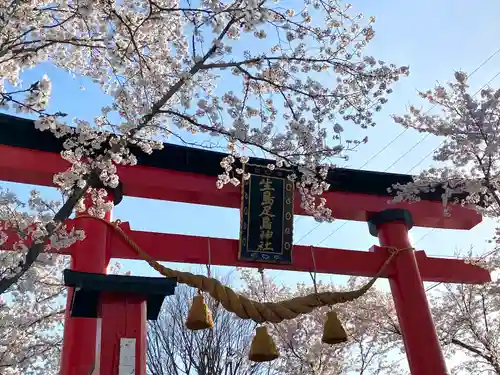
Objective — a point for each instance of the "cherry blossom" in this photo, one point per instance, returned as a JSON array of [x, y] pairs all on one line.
[[467, 317], [470, 152], [286, 80], [374, 342], [466, 170], [163, 64]]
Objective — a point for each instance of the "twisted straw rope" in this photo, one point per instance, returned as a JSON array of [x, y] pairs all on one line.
[[245, 308]]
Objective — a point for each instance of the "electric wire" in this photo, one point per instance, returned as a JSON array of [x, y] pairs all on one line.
[[407, 151], [405, 130]]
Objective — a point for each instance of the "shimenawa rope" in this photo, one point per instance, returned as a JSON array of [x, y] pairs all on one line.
[[245, 308]]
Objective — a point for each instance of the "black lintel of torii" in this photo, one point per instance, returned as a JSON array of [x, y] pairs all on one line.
[[20, 132], [88, 288]]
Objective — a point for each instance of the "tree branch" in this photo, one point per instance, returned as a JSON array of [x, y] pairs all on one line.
[[36, 248]]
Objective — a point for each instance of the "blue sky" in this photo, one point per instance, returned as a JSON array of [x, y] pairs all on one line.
[[433, 38]]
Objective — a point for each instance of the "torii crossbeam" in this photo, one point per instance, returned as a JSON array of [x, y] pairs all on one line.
[[188, 175]]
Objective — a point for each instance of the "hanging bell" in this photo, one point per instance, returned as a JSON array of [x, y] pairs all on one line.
[[199, 315], [263, 348], [333, 332]]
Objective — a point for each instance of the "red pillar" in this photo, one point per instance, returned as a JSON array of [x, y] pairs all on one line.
[[79, 354], [123, 317], [415, 319]]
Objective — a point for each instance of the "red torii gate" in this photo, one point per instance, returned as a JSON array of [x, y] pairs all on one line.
[[188, 175]]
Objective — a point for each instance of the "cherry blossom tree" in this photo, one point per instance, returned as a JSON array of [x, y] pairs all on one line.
[[29, 344], [181, 71], [467, 162], [468, 158], [31, 321], [374, 338], [31, 313], [467, 317], [174, 350], [162, 64]]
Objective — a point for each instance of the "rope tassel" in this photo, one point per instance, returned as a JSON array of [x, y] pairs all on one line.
[[333, 332], [263, 348], [272, 312], [199, 315]]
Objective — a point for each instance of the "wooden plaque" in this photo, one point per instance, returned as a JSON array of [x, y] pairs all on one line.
[[266, 216]]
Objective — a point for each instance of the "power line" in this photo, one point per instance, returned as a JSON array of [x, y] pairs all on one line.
[[421, 140], [478, 259], [383, 148], [405, 130], [430, 153], [424, 137], [434, 150], [305, 235], [409, 150]]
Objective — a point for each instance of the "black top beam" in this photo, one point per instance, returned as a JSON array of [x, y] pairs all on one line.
[[89, 286], [20, 132]]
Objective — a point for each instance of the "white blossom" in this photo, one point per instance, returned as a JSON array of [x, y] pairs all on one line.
[[283, 80], [469, 156]]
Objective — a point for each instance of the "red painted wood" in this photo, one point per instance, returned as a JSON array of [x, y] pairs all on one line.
[[165, 247], [415, 319], [38, 168], [125, 316], [122, 316], [89, 255], [224, 252]]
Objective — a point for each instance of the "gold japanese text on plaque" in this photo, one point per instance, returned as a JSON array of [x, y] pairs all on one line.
[[267, 216]]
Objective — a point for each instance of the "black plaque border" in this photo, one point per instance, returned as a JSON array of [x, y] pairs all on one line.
[[246, 254]]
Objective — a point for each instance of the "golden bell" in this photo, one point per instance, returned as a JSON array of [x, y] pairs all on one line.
[[333, 332], [263, 348], [199, 315]]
